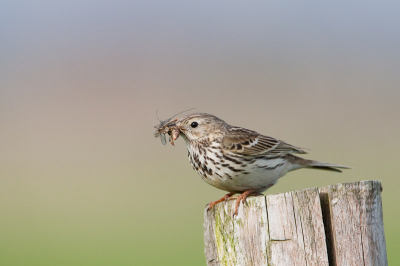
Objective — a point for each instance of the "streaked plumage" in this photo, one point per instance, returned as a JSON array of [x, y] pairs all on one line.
[[236, 159]]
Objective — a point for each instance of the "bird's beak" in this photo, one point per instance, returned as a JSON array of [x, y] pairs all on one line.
[[177, 124]]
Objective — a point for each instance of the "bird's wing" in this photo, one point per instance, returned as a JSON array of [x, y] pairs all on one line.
[[250, 143]]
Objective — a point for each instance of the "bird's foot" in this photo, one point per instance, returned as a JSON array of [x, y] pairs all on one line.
[[224, 198], [242, 197]]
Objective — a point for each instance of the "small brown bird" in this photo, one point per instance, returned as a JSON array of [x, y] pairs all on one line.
[[236, 159]]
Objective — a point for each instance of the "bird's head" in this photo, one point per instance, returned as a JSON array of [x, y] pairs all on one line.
[[198, 126]]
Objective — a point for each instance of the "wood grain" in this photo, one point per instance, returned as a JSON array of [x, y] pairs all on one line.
[[282, 229], [355, 223], [340, 224]]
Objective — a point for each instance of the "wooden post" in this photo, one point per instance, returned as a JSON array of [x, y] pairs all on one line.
[[340, 224]]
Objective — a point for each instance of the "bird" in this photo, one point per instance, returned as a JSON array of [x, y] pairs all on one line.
[[236, 159]]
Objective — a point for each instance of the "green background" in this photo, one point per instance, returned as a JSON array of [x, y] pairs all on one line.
[[82, 179]]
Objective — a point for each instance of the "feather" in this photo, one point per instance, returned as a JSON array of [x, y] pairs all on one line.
[[250, 143]]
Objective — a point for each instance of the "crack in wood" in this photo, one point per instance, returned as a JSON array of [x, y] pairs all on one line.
[[279, 240]]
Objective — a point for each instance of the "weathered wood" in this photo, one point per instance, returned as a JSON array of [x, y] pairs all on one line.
[[355, 224], [237, 241], [282, 229], [296, 229], [288, 228]]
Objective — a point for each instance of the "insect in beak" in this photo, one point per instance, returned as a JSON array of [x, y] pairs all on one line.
[[173, 132], [168, 126]]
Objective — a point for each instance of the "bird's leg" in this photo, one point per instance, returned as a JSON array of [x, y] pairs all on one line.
[[242, 197], [224, 198]]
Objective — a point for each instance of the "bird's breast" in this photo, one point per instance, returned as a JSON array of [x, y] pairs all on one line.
[[233, 172]]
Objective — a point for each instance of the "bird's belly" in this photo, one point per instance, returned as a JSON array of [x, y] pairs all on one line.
[[254, 176], [234, 174]]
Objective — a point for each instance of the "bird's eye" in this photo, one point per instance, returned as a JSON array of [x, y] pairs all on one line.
[[194, 124]]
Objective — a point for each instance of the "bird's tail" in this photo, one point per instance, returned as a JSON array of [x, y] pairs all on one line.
[[298, 162], [326, 166]]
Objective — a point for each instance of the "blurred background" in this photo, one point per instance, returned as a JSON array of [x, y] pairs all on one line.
[[83, 181]]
